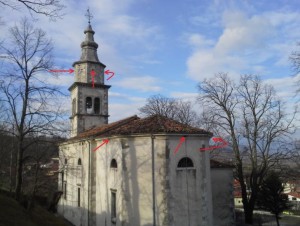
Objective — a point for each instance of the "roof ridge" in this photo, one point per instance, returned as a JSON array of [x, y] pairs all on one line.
[[176, 121], [118, 124], [109, 126]]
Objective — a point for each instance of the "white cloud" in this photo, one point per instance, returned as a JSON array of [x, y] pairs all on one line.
[[115, 30], [61, 79], [244, 46], [185, 96], [242, 33], [204, 64], [120, 111], [285, 87], [141, 83], [123, 96], [198, 40]]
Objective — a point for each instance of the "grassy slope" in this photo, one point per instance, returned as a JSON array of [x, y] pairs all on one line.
[[12, 214]]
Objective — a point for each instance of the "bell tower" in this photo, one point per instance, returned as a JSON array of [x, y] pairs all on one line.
[[89, 94]]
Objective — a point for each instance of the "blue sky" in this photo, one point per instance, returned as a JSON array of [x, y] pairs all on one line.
[[167, 47]]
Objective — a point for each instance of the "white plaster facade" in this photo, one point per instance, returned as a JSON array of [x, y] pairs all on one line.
[[181, 196], [222, 193]]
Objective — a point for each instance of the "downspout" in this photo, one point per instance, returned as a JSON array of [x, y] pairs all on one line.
[[89, 183], [153, 180]]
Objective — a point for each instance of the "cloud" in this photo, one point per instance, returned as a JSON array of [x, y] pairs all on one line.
[[119, 33], [286, 87], [242, 33], [61, 79], [141, 83], [120, 111], [185, 96], [198, 40], [122, 97], [245, 45]]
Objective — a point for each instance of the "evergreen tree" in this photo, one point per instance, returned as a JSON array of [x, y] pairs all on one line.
[[271, 197]]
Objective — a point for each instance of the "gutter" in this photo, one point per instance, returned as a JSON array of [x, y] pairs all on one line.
[[89, 182], [101, 136], [153, 180]]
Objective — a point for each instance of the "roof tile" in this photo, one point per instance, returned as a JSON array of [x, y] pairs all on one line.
[[136, 125]]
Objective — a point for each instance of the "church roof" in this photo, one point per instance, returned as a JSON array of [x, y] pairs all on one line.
[[135, 125]]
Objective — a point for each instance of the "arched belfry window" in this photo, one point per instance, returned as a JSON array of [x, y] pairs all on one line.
[[185, 163], [113, 164], [79, 162], [88, 105], [74, 106], [97, 105]]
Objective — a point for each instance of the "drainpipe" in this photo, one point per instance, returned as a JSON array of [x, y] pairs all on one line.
[[89, 182], [153, 180]]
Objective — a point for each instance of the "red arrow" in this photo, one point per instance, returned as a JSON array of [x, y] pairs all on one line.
[[70, 70], [107, 72], [216, 140], [182, 139], [105, 141], [93, 73]]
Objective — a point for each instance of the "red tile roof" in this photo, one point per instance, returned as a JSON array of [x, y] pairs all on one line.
[[237, 194], [294, 194], [136, 125], [106, 128]]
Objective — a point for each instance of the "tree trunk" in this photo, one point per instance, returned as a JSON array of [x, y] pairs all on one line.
[[31, 197], [277, 219], [248, 214], [247, 204], [19, 172]]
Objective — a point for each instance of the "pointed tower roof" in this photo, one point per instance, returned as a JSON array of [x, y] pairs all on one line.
[[89, 48]]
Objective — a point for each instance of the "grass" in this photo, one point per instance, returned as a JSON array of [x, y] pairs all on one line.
[[12, 214]]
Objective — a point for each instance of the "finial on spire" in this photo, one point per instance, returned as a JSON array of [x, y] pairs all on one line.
[[89, 15]]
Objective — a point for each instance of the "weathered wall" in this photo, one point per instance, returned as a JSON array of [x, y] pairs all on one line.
[[75, 176], [190, 192], [223, 200], [182, 196], [84, 120], [132, 181]]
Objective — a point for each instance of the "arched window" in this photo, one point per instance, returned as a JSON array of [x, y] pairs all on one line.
[[97, 105], [74, 106], [185, 162], [113, 164], [88, 105], [66, 161], [79, 162]]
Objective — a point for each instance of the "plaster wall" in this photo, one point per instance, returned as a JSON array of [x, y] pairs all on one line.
[[223, 199], [132, 181], [82, 120], [75, 176], [182, 196], [190, 201]]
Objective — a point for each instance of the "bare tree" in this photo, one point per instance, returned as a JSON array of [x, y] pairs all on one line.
[[253, 120], [171, 108], [49, 8], [31, 106], [38, 159]]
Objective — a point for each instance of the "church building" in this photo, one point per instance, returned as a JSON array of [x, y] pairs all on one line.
[[134, 172]]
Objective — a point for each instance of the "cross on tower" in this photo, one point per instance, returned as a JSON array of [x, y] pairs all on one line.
[[89, 15]]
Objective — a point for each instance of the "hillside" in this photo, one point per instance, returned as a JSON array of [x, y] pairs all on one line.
[[12, 214]]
